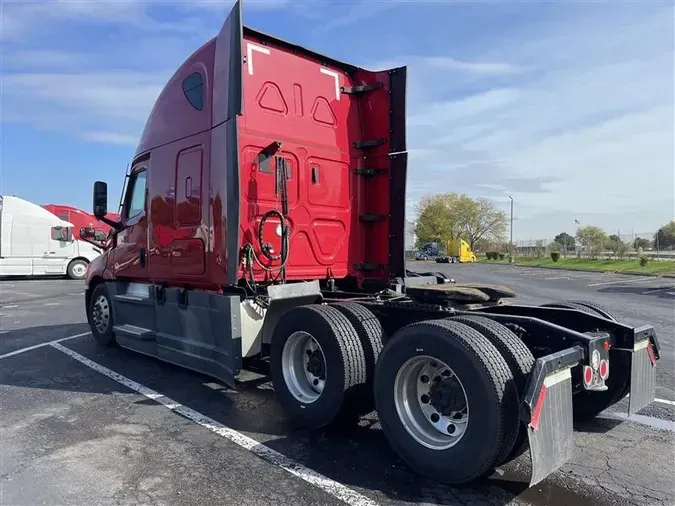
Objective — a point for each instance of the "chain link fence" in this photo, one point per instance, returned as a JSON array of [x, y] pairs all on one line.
[[609, 247]]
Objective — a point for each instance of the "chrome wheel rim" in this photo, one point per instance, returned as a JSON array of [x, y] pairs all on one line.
[[79, 269], [431, 402], [304, 367], [101, 314]]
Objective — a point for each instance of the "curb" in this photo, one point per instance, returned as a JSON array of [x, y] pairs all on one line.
[[586, 270]]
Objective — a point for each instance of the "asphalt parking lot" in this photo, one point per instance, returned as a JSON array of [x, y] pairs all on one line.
[[88, 425]]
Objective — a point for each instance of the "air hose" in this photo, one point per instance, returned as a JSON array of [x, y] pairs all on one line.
[[281, 174]]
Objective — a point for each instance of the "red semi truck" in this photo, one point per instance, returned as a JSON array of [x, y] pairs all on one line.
[[263, 220], [81, 219]]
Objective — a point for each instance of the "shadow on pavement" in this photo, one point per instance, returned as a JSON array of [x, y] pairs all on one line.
[[660, 292], [17, 339]]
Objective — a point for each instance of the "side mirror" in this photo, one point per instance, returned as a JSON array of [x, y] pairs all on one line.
[[100, 199], [87, 233]]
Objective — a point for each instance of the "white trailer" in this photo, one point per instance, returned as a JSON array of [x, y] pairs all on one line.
[[35, 242]]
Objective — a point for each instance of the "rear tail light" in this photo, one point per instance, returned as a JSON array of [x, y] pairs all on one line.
[[604, 369], [588, 375]]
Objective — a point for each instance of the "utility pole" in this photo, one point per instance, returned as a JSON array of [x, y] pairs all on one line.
[[511, 234]]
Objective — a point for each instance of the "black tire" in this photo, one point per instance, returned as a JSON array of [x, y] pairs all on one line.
[[369, 330], [100, 295], [586, 404], [74, 266], [519, 359], [601, 310], [571, 305], [489, 387], [343, 355], [372, 337]]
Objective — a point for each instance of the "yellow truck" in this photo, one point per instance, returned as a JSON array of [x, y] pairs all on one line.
[[458, 251]]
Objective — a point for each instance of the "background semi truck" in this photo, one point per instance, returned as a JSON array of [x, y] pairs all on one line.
[[458, 251], [263, 226], [35, 242], [81, 219]]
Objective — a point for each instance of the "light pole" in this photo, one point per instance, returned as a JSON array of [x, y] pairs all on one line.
[[511, 234]]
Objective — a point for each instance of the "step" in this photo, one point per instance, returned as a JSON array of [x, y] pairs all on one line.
[[135, 332]]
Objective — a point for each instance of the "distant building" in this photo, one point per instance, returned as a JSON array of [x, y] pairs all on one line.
[[410, 237]]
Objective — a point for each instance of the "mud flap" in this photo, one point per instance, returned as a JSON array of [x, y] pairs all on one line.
[[549, 399], [642, 376]]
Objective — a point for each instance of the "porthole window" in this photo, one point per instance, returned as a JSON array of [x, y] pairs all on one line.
[[193, 87]]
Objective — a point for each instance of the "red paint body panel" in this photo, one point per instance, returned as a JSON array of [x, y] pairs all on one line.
[[79, 218], [207, 190]]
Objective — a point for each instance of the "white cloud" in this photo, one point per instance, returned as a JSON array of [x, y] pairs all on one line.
[[587, 131], [484, 68], [574, 117], [44, 58], [111, 138], [127, 95]]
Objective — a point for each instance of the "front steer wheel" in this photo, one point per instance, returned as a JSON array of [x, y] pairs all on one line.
[[100, 316], [77, 269], [316, 360], [446, 399]]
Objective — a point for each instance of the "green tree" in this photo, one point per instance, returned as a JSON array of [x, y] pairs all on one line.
[[450, 216], [593, 239], [665, 237], [566, 241], [433, 221], [616, 245], [640, 243], [482, 219]]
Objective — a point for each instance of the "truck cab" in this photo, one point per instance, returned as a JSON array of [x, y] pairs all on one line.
[[93, 228], [35, 242]]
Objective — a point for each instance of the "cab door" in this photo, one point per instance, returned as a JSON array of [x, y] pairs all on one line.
[[62, 248], [131, 255]]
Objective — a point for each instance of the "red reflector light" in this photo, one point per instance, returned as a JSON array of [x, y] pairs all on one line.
[[536, 412], [604, 369], [606, 345], [588, 375], [652, 357]]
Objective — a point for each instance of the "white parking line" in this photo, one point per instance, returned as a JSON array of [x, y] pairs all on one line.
[[35, 347], [10, 307], [649, 421], [52, 304], [662, 401], [334, 488], [622, 281], [558, 277]]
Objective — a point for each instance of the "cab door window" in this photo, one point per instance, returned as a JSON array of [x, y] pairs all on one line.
[[61, 234], [135, 201]]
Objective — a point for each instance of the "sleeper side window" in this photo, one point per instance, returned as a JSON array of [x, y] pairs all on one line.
[[193, 87], [135, 203]]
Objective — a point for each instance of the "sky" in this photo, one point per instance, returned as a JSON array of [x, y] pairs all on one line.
[[567, 106]]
